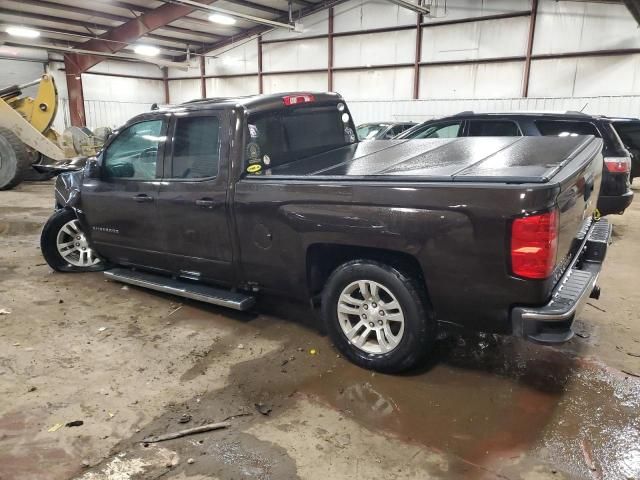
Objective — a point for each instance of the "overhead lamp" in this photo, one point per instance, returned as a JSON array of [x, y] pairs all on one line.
[[23, 32], [146, 50], [222, 19]]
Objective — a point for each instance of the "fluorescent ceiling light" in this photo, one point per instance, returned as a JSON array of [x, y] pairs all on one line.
[[146, 50], [222, 19], [23, 32]]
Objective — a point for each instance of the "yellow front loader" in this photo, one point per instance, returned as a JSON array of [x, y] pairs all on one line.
[[27, 137]]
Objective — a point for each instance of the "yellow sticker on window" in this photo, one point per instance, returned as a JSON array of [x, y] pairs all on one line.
[[256, 167]]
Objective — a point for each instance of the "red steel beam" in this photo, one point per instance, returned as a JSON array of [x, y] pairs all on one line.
[[416, 62], [260, 64], [165, 84], [527, 62], [128, 32], [203, 84], [330, 49]]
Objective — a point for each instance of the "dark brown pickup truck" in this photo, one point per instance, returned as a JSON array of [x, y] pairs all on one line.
[[222, 199]]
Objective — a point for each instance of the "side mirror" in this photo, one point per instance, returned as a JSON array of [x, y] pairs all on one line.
[[92, 169]]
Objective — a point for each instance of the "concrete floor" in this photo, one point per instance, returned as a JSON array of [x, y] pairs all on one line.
[[130, 363]]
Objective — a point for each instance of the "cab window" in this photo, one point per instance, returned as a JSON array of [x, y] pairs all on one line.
[[562, 128], [196, 151], [133, 154]]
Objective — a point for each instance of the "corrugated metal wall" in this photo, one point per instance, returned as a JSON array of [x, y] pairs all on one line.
[[421, 110]]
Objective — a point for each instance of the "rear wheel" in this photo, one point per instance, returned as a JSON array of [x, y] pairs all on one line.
[[15, 161], [377, 316], [65, 246]]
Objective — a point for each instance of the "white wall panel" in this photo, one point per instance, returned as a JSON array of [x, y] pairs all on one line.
[[298, 55], [583, 26], [374, 49], [420, 110], [127, 68], [488, 80], [586, 76], [366, 14], [457, 9], [470, 41], [232, 87], [242, 59], [316, 24], [300, 82], [184, 90], [121, 89], [17, 72], [100, 113], [371, 83]]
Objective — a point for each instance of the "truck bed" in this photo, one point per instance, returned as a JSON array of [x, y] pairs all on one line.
[[466, 159]]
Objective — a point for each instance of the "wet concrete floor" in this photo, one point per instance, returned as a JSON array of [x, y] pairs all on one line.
[[131, 363]]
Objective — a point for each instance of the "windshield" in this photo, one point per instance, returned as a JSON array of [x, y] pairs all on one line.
[[283, 136], [370, 130]]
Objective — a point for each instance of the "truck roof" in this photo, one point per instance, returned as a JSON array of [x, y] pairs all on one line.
[[254, 103]]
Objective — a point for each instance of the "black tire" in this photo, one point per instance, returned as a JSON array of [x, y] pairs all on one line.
[[49, 248], [15, 161], [419, 325]]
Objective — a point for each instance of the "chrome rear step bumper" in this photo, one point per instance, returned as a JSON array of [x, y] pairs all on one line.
[[194, 291], [551, 323]]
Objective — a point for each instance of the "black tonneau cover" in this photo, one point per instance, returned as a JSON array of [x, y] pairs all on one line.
[[466, 159]]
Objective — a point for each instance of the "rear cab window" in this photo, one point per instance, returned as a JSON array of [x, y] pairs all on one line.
[[283, 136]]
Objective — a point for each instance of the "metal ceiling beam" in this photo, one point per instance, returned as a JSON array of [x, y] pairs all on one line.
[[112, 17], [78, 23], [244, 3], [245, 16]]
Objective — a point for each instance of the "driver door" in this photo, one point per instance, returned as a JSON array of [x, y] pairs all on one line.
[[120, 206]]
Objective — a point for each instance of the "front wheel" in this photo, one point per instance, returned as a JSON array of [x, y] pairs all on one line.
[[64, 244], [377, 316]]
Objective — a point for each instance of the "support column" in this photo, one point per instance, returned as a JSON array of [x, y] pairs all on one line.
[[203, 83], [416, 61], [527, 62], [260, 89], [330, 48], [165, 82], [74, 91]]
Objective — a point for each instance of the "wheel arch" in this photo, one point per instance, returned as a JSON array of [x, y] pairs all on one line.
[[323, 258]]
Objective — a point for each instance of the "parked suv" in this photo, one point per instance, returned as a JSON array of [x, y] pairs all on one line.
[[615, 193], [382, 130], [629, 131]]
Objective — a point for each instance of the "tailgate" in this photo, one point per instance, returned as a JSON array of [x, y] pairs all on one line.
[[579, 189]]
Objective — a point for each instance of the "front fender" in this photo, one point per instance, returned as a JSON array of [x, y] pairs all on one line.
[[67, 189]]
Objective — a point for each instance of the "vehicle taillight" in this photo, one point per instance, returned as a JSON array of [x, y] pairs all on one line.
[[534, 244], [618, 164], [297, 99]]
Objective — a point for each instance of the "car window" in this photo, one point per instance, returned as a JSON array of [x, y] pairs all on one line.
[[195, 147], [368, 131], [438, 130], [133, 153], [562, 128], [493, 128], [629, 132]]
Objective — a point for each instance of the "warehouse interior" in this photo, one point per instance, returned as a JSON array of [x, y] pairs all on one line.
[[93, 371]]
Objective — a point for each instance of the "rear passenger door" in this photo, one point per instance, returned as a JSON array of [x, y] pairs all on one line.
[[192, 202]]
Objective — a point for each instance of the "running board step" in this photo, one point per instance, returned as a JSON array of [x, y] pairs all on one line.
[[203, 293]]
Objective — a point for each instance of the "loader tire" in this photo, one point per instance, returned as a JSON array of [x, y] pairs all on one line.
[[15, 161]]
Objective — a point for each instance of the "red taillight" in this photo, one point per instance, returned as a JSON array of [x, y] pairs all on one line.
[[618, 164], [534, 244], [297, 99]]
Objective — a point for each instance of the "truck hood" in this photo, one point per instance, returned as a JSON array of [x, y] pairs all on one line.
[[467, 159]]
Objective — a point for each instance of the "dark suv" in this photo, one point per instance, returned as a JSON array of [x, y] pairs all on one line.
[[629, 131], [615, 194]]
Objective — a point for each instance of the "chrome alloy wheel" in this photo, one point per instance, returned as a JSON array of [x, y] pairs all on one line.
[[370, 317], [72, 245]]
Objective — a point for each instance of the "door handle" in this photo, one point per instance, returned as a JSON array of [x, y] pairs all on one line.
[[142, 197], [205, 203]]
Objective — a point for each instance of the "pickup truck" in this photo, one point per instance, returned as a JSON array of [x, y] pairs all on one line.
[[222, 200]]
